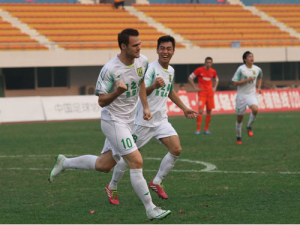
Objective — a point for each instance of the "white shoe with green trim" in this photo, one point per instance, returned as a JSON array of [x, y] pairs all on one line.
[[158, 213], [58, 167]]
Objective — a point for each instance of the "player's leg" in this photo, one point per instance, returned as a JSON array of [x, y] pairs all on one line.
[[122, 144], [141, 136], [165, 134], [210, 104], [240, 109], [139, 184], [201, 104], [253, 105], [104, 163], [166, 165]]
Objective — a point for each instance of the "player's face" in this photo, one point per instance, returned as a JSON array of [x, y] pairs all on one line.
[[165, 52], [249, 59], [208, 64], [134, 47]]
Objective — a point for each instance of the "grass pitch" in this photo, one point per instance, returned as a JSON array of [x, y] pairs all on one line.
[[257, 182]]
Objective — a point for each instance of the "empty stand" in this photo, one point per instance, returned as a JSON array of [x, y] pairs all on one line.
[[76, 26], [215, 25], [286, 13], [11, 38]]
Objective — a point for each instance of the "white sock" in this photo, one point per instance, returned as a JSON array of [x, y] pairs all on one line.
[[119, 170], [85, 162], [238, 127], [140, 186], [251, 120], [166, 165]]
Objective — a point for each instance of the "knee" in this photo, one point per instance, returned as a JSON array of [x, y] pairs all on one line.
[[255, 111], [176, 151], [138, 163]]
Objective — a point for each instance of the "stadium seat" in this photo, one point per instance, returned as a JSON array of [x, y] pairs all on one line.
[[79, 24], [209, 25]]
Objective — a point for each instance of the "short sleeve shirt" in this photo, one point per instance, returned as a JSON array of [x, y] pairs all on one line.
[[123, 107], [205, 80], [243, 73], [157, 100]]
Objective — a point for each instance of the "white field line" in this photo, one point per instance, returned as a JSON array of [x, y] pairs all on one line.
[[209, 168]]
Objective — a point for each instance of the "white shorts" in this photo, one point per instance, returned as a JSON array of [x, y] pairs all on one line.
[[243, 102], [118, 138], [142, 135]]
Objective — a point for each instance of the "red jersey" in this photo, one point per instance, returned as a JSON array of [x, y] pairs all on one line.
[[205, 80]]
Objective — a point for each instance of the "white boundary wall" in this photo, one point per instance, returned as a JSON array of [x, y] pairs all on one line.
[[11, 59], [30, 109]]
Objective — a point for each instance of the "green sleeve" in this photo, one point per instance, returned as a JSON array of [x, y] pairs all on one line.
[[105, 82], [259, 74], [149, 76]]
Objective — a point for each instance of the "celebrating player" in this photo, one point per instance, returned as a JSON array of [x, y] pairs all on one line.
[[245, 79], [206, 91], [119, 84], [159, 80]]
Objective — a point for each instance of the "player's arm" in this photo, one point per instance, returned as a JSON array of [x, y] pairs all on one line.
[[216, 83], [189, 113], [259, 82], [108, 98], [237, 78], [191, 80], [240, 82], [159, 82], [143, 96]]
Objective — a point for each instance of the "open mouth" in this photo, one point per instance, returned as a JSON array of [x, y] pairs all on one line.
[[165, 57]]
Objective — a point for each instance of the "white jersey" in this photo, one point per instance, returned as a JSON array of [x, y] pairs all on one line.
[[122, 109], [243, 73], [157, 100]]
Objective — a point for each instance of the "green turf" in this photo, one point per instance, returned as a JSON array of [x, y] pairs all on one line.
[[235, 196]]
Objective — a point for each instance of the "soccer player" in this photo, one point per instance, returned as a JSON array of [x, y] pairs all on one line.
[[119, 84], [206, 91], [245, 79], [159, 80]]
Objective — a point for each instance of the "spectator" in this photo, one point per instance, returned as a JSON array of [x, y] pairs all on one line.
[[181, 89], [118, 3], [198, 1]]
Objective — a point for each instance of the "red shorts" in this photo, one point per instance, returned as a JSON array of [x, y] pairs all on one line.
[[206, 101]]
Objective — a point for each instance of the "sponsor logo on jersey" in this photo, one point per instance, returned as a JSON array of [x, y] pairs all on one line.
[[254, 72], [206, 78], [140, 71], [170, 78]]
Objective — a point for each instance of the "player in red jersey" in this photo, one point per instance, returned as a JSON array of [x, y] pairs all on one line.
[[205, 75]]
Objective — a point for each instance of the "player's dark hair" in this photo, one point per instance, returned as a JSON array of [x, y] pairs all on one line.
[[123, 37], [208, 58], [245, 55], [166, 38]]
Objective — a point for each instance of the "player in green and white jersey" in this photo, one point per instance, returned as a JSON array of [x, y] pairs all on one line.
[[245, 78], [159, 80], [120, 83]]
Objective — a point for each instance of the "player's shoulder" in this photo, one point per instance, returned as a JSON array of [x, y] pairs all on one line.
[[198, 70], [212, 70], [171, 69], [112, 63], [256, 67], [241, 67], [143, 58]]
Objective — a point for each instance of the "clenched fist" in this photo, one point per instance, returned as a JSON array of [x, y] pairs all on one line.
[[121, 87], [159, 82]]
